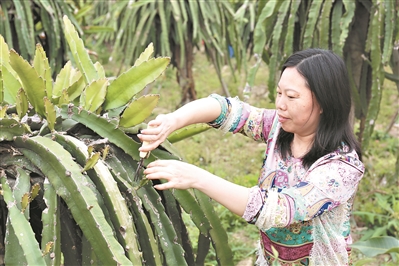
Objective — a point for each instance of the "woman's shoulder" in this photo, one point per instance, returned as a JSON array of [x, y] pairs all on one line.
[[342, 156]]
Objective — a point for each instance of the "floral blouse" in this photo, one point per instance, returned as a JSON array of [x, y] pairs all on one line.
[[303, 214]]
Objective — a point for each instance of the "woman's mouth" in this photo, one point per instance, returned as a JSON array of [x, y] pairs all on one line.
[[282, 119]]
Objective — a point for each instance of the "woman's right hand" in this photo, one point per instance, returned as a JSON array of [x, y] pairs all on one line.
[[157, 131]]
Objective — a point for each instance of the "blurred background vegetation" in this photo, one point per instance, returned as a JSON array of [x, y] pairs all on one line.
[[236, 48]]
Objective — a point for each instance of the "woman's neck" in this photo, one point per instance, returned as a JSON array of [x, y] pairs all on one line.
[[301, 145]]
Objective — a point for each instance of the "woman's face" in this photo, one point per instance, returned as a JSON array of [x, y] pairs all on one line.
[[297, 108]]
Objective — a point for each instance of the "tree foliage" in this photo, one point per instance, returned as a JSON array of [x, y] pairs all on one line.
[[176, 28]]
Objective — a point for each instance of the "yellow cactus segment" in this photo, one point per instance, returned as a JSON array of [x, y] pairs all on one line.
[[26, 199], [90, 150], [34, 191], [105, 152], [91, 162], [3, 111], [47, 248]]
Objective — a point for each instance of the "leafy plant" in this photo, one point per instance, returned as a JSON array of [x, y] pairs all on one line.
[[68, 150], [383, 219]]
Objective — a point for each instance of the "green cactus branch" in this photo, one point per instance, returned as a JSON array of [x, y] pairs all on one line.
[[64, 174]]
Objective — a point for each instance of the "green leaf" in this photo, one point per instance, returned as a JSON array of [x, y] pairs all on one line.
[[162, 226], [4, 53], [23, 230], [94, 95], [313, 15], [377, 245], [108, 188], [1, 86], [100, 70], [187, 132], [22, 103], [97, 29], [92, 161], [77, 86], [123, 88], [42, 67], [138, 110], [10, 84], [79, 52], [64, 174], [50, 113], [25, 29], [62, 80], [218, 234], [9, 128], [32, 83], [51, 224], [64, 98], [145, 56], [3, 111]]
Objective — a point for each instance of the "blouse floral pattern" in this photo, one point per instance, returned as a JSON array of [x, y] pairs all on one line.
[[302, 213]]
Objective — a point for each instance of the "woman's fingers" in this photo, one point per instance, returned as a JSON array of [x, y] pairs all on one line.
[[173, 171], [156, 133], [164, 186], [157, 170]]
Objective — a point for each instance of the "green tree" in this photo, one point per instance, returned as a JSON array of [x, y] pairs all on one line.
[[176, 28], [27, 23]]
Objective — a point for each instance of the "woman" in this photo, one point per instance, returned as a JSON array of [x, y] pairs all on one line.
[[308, 180]]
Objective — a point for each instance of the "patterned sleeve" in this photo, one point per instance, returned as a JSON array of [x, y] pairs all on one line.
[[327, 186], [239, 117]]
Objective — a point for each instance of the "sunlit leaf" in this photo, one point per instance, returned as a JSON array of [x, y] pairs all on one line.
[[94, 94], [123, 88], [187, 132], [50, 113], [62, 80], [22, 103], [138, 110], [42, 67], [33, 84], [79, 52], [144, 56], [91, 162]]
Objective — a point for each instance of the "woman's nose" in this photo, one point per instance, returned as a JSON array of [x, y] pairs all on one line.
[[280, 103]]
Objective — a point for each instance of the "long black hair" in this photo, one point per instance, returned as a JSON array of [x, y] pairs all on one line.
[[327, 78]]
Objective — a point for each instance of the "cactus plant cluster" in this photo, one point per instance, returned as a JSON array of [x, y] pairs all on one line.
[[68, 153]]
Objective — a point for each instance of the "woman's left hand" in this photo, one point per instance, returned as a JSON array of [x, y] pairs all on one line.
[[182, 175], [179, 175]]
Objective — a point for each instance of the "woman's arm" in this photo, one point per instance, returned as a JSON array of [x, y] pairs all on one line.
[[182, 175], [200, 111]]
